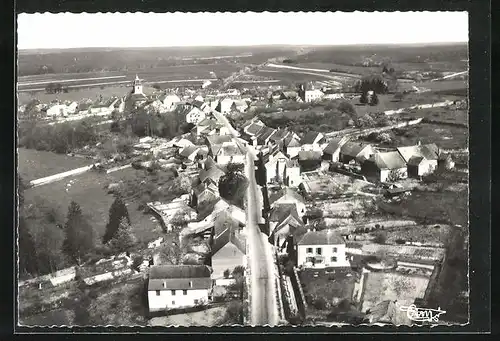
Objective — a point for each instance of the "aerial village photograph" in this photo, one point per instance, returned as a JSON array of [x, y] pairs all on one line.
[[233, 175]]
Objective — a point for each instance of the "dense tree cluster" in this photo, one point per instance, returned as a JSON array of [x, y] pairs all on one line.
[[233, 184], [58, 138], [373, 83], [117, 211]]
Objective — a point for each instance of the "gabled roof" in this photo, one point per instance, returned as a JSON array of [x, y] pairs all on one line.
[[254, 128], [226, 230], [213, 173], [427, 151], [333, 146], [352, 148], [280, 134], [189, 150], [282, 212], [388, 160], [211, 187], [209, 163], [323, 237], [415, 160], [311, 137], [230, 150], [175, 277], [292, 141], [309, 155], [274, 155], [218, 139], [287, 194], [265, 133]]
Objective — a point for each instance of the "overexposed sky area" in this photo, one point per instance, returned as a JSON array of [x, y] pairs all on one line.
[[69, 30]]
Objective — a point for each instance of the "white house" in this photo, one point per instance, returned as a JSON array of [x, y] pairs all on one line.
[[58, 110], [388, 166], [170, 101], [178, 286], [421, 159], [313, 95], [312, 140], [195, 115], [321, 249]]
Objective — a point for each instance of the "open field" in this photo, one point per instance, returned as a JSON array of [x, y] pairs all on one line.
[[445, 115], [149, 75], [88, 190], [445, 136], [420, 234], [436, 57], [434, 207], [57, 317], [34, 164], [74, 94]]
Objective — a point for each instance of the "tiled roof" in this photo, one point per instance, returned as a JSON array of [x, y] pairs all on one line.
[[265, 133], [230, 150], [285, 193], [427, 151], [213, 173], [280, 134], [218, 139], [388, 160], [281, 212], [333, 145], [189, 150], [309, 155], [292, 141], [353, 148], [323, 237], [226, 230], [254, 128], [310, 137], [415, 160], [175, 277]]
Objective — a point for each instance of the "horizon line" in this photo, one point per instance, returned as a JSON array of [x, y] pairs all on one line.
[[251, 45]]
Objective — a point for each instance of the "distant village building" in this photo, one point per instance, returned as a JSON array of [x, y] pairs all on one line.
[[312, 141], [284, 221], [136, 98], [321, 249], [355, 152], [288, 196], [178, 286], [387, 166], [420, 159]]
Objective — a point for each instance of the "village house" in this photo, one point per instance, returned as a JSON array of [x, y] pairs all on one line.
[[309, 94], [386, 166], [211, 174], [312, 141], [288, 95], [169, 101], [62, 109], [321, 249], [280, 169], [332, 150], [420, 159], [204, 192], [224, 150], [309, 160], [178, 286], [355, 152], [210, 126], [288, 196], [279, 137], [251, 129], [283, 223], [228, 246], [292, 146], [189, 153], [224, 106], [264, 136], [195, 115]]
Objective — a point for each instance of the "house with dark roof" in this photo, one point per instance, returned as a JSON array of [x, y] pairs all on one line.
[[189, 152], [321, 249], [312, 141], [309, 160], [283, 222], [178, 286], [353, 152], [264, 136], [386, 166], [332, 150], [211, 174], [204, 192], [291, 145], [228, 244], [420, 159], [287, 195]]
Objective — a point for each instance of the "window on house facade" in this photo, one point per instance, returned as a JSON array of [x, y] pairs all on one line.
[[173, 292], [184, 292], [195, 301], [334, 250], [333, 259], [310, 259], [190, 284], [157, 292], [309, 250], [173, 302], [164, 284], [319, 251]]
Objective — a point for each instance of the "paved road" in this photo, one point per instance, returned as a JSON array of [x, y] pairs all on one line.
[[264, 306]]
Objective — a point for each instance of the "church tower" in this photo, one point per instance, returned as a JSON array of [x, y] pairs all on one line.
[[137, 85]]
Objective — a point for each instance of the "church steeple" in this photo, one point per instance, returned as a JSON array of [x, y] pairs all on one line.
[[137, 85]]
